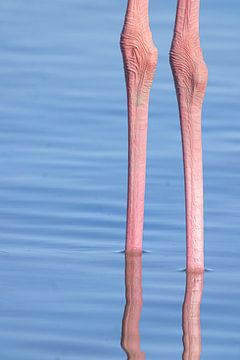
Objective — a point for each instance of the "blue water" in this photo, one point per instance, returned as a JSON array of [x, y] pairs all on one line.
[[63, 160]]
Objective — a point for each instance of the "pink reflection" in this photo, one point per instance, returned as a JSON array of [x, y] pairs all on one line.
[[191, 316], [130, 340]]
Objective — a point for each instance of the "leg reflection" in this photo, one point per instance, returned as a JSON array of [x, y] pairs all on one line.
[[130, 340], [191, 316]]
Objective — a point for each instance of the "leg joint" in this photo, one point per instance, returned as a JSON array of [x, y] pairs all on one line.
[[139, 53], [188, 67]]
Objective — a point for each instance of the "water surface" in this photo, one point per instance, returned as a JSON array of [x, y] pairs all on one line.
[[63, 159]]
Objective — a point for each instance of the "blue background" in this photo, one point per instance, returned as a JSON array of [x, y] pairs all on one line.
[[63, 160]]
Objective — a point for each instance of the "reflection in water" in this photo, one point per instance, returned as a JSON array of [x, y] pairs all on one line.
[[130, 324], [130, 340], [191, 316]]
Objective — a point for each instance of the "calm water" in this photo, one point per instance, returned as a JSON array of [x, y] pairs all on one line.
[[63, 160]]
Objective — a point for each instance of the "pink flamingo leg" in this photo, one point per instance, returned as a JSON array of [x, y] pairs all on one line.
[[140, 59], [191, 316], [190, 75], [130, 340]]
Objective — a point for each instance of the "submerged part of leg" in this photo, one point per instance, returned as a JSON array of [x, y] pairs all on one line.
[[191, 323], [130, 340], [190, 75], [140, 60]]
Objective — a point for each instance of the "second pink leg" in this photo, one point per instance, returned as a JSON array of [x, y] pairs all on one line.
[[190, 75]]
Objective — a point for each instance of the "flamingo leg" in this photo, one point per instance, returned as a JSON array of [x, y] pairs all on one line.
[[140, 60], [190, 75]]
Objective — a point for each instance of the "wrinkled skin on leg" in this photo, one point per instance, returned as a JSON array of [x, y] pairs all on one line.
[[140, 60], [190, 75]]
